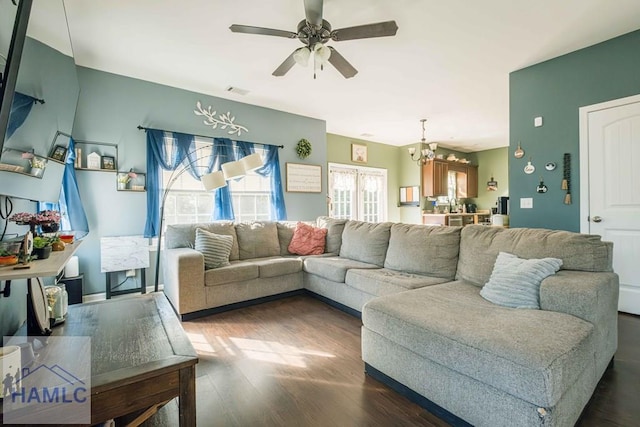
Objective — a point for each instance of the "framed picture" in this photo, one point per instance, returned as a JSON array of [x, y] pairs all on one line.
[[303, 178], [410, 196], [358, 153], [59, 153], [108, 162]]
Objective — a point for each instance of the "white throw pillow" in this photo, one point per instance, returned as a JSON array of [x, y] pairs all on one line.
[[215, 248], [515, 282]]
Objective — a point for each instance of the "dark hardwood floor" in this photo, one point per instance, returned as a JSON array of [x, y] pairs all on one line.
[[296, 362]]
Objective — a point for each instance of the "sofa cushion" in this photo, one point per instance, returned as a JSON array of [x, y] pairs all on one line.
[[278, 266], [479, 247], [333, 268], [365, 241], [423, 249], [236, 271], [334, 227], [184, 235], [257, 239], [308, 240], [383, 281], [285, 234], [215, 248], [535, 355], [515, 282]]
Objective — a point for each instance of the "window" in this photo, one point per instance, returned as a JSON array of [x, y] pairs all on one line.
[[188, 202], [358, 193]]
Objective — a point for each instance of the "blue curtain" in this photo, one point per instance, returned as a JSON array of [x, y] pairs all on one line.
[[168, 150], [20, 109], [223, 152], [70, 204], [271, 168]]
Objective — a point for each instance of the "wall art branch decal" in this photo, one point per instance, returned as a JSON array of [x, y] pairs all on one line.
[[223, 120]]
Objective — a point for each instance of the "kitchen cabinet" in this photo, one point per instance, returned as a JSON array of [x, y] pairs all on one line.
[[435, 179]]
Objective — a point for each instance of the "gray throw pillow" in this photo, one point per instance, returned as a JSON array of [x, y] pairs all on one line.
[[515, 282], [214, 247]]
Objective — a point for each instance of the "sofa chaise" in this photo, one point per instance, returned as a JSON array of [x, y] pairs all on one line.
[[428, 331]]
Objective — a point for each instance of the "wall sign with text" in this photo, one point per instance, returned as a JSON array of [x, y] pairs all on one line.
[[303, 178]]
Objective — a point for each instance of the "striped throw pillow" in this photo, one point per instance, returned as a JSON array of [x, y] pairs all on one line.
[[515, 282], [215, 248]]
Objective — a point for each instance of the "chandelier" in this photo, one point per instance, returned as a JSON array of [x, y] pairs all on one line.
[[425, 154]]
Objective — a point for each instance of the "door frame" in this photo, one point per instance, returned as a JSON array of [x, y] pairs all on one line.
[[584, 152]]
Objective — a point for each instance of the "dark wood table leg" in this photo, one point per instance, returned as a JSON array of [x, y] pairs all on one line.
[[187, 399], [108, 287]]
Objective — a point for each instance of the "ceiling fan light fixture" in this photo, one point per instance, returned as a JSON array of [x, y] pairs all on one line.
[[301, 56], [321, 53]]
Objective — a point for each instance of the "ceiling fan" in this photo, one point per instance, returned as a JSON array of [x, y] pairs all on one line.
[[314, 32]]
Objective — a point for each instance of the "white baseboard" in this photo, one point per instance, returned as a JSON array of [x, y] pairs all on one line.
[[629, 301], [103, 295]]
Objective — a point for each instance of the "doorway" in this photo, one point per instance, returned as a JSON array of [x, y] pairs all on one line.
[[610, 187], [357, 193]]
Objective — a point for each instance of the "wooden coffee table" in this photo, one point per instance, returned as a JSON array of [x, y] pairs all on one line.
[[141, 357]]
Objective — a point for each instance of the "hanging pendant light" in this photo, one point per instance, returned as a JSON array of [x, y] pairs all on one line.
[[251, 162], [426, 154]]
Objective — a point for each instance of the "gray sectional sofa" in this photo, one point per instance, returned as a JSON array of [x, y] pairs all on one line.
[[427, 331]]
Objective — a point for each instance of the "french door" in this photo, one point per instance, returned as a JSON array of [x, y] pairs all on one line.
[[358, 193]]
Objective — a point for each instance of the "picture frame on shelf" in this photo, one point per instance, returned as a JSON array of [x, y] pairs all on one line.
[[59, 153], [108, 162], [359, 153]]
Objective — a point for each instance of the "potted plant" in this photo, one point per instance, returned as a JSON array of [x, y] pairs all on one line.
[[37, 166], [48, 220], [42, 247], [125, 178]]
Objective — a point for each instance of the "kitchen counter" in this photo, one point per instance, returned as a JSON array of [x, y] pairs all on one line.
[[457, 219]]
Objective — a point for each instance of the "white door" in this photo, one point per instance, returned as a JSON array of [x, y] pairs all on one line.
[[357, 192], [610, 187]]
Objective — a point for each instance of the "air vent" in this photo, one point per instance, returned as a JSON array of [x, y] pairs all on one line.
[[237, 90], [366, 135]]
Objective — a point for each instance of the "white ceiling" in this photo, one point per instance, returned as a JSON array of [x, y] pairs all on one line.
[[449, 62]]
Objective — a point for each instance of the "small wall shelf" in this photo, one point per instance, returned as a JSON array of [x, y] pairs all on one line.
[[12, 161], [96, 156], [137, 183]]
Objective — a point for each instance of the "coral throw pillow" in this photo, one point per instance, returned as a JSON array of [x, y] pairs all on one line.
[[308, 240]]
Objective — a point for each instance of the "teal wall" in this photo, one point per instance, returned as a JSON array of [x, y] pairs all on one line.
[[555, 90], [109, 109]]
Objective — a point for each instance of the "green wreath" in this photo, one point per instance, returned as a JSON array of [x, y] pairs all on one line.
[[303, 148]]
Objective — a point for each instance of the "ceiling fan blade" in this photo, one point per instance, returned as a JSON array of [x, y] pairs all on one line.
[[247, 29], [313, 12], [379, 29], [341, 64], [285, 66]]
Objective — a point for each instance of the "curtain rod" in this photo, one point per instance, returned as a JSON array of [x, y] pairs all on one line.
[[140, 127]]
